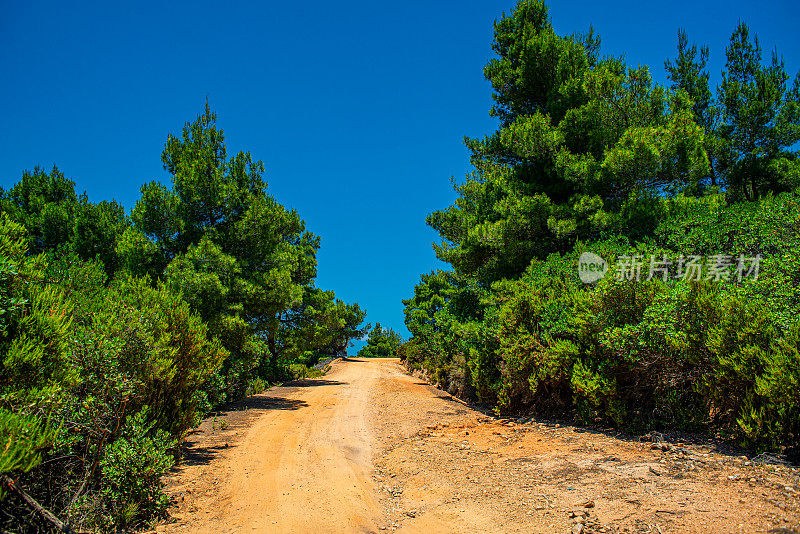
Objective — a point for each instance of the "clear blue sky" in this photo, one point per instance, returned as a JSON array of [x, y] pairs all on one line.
[[357, 109]]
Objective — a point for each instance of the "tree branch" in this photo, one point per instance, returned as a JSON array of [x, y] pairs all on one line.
[[30, 501]]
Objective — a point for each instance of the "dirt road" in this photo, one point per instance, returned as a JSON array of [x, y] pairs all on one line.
[[369, 448]]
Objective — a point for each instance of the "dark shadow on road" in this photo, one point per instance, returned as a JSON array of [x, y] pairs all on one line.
[[312, 382], [452, 399], [264, 402], [191, 455]]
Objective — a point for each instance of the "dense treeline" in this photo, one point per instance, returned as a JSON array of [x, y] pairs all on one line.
[[591, 155], [381, 343], [117, 332]]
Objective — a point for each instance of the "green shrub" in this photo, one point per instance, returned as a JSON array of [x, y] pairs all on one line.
[[132, 467], [719, 356]]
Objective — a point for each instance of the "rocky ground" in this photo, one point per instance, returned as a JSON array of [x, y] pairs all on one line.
[[390, 453]]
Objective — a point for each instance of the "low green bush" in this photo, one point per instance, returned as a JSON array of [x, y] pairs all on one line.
[[712, 355]]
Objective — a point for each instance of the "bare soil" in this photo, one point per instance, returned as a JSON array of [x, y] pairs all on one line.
[[368, 448]]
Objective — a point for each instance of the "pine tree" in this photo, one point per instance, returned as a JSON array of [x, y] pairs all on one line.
[[760, 120]]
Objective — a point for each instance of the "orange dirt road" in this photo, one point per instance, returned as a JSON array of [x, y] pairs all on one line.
[[368, 448], [305, 463]]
